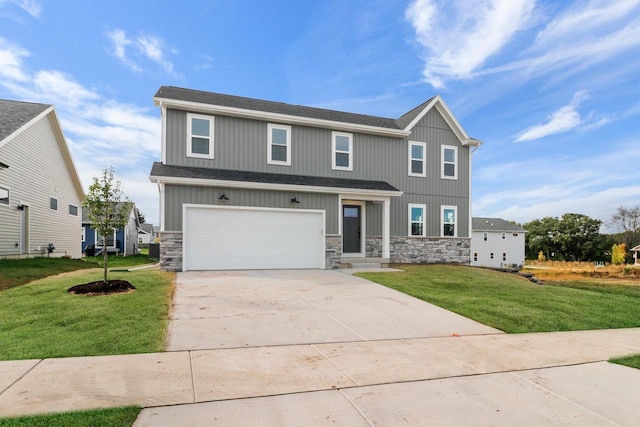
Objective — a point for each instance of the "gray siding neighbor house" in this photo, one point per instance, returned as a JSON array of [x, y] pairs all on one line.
[[40, 192], [253, 184]]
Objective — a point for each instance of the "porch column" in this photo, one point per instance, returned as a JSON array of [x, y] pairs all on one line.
[[386, 225]]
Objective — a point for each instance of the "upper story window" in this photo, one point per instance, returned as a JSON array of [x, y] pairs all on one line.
[[417, 158], [342, 151], [449, 162], [485, 236], [504, 236], [53, 204], [417, 220], [4, 196], [73, 210], [449, 221], [199, 136], [279, 145]]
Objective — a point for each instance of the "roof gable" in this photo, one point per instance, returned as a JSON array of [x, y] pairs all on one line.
[[17, 116], [410, 119]]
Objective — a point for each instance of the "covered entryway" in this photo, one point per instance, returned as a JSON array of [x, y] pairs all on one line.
[[248, 238]]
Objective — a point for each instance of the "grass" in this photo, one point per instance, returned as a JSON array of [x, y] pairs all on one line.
[[117, 417], [632, 362], [41, 320], [513, 304], [121, 261], [16, 272]]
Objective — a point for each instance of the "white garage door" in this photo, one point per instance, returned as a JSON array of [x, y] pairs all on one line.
[[232, 238]]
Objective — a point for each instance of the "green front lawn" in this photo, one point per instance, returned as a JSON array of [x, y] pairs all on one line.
[[117, 417], [513, 304], [632, 362], [41, 320], [16, 272], [121, 261]]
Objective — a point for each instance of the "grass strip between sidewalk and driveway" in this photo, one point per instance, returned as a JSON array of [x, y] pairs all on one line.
[[41, 320], [116, 417], [513, 304]]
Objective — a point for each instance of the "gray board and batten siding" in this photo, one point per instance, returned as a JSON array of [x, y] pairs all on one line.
[[241, 144]]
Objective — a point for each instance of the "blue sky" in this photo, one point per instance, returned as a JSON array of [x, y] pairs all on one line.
[[551, 88]]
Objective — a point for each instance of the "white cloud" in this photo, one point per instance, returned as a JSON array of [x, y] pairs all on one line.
[[32, 7], [120, 42], [562, 120], [153, 48], [459, 37], [11, 61], [145, 47], [579, 20]]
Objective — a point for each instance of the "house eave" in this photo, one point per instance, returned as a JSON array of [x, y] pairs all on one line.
[[276, 117], [270, 186]]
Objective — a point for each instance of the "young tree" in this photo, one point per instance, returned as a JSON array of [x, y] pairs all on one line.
[[140, 216], [107, 208], [618, 253]]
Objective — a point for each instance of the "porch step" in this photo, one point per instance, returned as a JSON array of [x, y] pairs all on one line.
[[365, 265], [364, 262]]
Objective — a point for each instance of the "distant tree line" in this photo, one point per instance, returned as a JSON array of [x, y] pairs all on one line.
[[577, 237]]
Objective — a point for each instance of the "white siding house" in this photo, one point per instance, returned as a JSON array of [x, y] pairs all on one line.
[[40, 192], [497, 243]]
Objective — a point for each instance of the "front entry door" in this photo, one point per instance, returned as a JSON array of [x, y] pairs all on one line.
[[351, 229]]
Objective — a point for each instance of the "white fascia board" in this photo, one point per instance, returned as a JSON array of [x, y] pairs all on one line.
[[274, 187], [279, 118], [448, 116]]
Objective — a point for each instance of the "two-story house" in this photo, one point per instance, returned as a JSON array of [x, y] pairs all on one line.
[[253, 184], [497, 243]]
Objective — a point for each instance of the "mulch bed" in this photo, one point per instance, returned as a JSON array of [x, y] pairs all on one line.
[[102, 288]]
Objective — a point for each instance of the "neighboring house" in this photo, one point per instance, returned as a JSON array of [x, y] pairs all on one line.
[[497, 243], [252, 184], [635, 251], [146, 235], [40, 191], [123, 241]]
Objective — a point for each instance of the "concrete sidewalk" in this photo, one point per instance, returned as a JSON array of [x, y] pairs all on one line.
[[530, 379]]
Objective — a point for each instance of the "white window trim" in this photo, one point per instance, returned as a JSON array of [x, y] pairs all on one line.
[[424, 220], [455, 223], [424, 159], [270, 161], [84, 234], [334, 151], [97, 243], [455, 163], [190, 153]]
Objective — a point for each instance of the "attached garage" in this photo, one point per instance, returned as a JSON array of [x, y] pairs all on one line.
[[248, 238]]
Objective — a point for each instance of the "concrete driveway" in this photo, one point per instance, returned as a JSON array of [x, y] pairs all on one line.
[[214, 310]]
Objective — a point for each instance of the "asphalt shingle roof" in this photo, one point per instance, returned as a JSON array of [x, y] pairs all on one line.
[[192, 95], [14, 114], [494, 224], [162, 170]]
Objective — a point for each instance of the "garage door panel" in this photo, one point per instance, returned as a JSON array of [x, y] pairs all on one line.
[[238, 238]]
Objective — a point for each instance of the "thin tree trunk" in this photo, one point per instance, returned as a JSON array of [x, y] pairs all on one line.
[[105, 255]]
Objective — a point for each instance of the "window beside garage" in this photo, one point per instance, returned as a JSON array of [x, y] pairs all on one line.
[[449, 214]]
